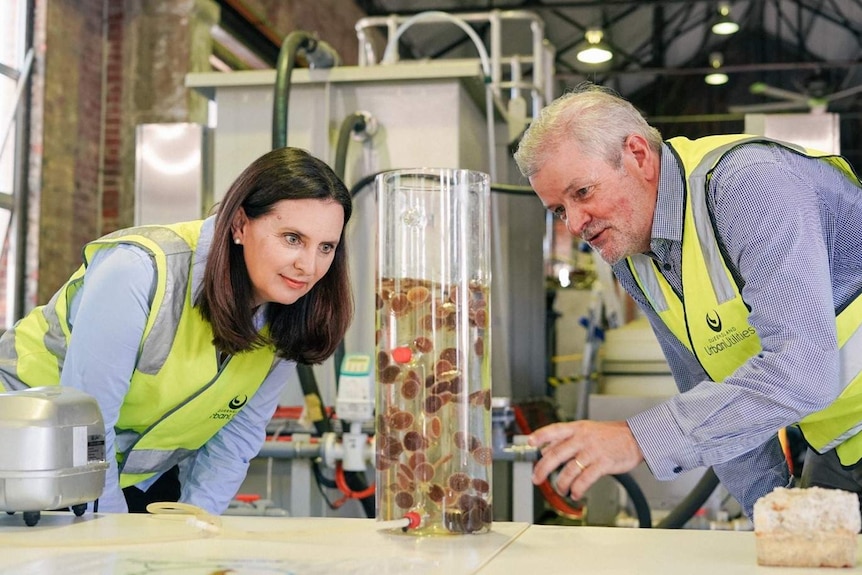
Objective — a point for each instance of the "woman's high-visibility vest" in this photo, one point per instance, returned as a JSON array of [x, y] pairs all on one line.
[[712, 318], [180, 395]]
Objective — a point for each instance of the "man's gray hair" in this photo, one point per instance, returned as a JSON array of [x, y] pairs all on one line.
[[593, 116]]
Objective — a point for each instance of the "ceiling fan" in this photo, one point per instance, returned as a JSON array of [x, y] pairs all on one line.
[[814, 101]]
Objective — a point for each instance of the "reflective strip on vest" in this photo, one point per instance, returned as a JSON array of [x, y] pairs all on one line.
[[159, 332], [142, 462]]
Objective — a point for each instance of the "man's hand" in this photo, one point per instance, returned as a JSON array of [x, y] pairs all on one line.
[[589, 450]]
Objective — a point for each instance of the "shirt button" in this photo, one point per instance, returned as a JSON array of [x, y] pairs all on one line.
[[667, 267], [677, 469]]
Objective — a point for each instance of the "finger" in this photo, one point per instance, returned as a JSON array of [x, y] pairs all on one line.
[[544, 467], [552, 433], [552, 457], [568, 475], [585, 479]]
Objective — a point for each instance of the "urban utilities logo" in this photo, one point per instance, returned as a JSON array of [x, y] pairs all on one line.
[[233, 406], [724, 338], [714, 324], [238, 402]]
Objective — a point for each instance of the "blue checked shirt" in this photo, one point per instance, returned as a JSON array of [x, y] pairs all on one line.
[[791, 228]]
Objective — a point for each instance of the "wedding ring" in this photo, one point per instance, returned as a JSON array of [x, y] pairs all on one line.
[[579, 464]]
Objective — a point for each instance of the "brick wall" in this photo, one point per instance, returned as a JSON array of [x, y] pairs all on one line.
[[108, 66], [68, 207], [112, 171]]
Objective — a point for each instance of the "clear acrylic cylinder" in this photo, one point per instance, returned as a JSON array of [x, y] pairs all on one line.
[[433, 343]]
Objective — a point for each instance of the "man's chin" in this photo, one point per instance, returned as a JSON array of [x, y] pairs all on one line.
[[607, 257]]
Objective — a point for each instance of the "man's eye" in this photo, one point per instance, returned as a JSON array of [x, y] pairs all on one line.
[[559, 212]]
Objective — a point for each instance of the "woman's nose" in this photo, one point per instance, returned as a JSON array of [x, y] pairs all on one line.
[[305, 261]]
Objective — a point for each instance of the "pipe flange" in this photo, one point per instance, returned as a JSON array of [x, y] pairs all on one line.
[[368, 128]]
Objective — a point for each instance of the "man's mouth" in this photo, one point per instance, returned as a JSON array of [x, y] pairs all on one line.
[[591, 237]]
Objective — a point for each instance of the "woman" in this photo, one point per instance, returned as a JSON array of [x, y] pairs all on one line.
[[186, 333]]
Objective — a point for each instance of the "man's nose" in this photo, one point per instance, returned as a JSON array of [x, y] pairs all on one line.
[[576, 220]]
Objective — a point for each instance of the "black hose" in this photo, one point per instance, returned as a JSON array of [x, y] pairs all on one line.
[[501, 188], [512, 189], [283, 71], [686, 508], [355, 121], [356, 481], [637, 497], [364, 182]]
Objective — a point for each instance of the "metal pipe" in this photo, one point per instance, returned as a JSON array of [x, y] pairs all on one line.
[[290, 450]]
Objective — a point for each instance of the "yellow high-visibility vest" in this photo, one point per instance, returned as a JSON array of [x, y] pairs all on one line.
[[713, 320], [179, 395]]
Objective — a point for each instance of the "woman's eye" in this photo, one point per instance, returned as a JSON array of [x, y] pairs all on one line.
[[292, 239], [327, 248]]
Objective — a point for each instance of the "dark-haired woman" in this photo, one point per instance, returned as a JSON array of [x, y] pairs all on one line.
[[186, 334]]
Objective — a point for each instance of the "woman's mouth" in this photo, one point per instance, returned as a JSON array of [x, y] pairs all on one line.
[[295, 284]]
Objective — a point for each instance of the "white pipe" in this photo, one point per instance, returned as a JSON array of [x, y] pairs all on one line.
[[391, 53], [391, 56]]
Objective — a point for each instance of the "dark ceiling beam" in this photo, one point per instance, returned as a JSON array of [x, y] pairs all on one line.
[[684, 23], [480, 30], [241, 23], [658, 44], [583, 27], [764, 67], [836, 18]]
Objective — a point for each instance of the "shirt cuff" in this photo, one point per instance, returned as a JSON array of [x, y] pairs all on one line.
[[666, 451]]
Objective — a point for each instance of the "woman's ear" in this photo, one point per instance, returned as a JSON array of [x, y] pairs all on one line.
[[237, 227]]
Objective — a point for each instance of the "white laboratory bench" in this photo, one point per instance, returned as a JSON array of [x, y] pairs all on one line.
[[119, 544]]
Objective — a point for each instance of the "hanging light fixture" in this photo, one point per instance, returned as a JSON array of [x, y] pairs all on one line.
[[593, 50], [716, 77], [724, 25]]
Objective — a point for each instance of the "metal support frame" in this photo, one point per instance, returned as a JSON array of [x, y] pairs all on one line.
[[539, 83]]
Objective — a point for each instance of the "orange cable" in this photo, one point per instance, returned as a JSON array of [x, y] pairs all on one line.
[[341, 482], [557, 501]]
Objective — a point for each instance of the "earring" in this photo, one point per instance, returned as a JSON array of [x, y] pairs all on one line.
[[237, 241]]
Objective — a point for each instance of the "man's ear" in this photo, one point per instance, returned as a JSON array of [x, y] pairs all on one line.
[[641, 152]]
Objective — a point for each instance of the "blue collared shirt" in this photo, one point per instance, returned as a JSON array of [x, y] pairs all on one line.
[[791, 229], [108, 315]]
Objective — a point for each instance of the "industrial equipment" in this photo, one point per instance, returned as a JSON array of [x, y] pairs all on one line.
[[53, 452]]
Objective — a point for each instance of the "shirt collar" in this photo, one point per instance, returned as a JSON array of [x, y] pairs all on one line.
[[667, 220]]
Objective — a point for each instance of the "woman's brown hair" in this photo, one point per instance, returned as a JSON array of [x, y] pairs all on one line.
[[309, 330]]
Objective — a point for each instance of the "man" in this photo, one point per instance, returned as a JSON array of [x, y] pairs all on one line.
[[746, 256]]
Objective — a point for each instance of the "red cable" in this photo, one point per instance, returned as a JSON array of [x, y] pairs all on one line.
[[341, 482], [550, 494]]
